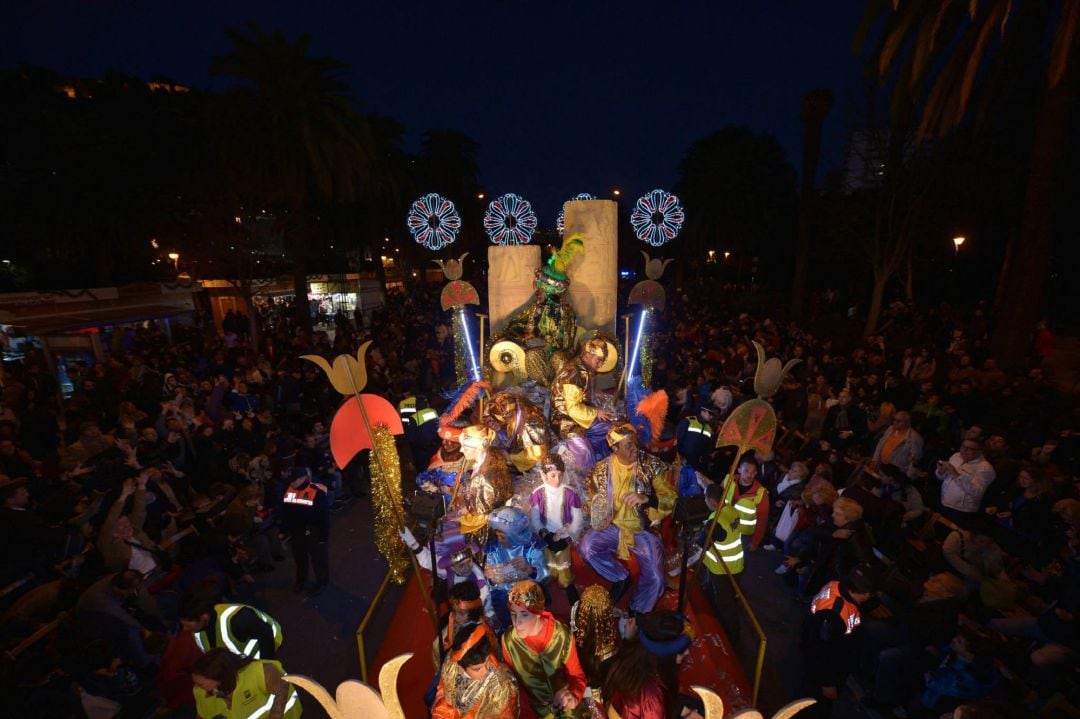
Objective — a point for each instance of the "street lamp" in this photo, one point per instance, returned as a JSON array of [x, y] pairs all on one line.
[[480, 196], [712, 256], [616, 192], [957, 241], [727, 255], [175, 257]]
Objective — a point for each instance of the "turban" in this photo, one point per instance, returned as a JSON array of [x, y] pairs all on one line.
[[513, 522], [450, 432], [528, 594], [503, 405], [619, 432], [477, 436], [669, 646], [596, 346]]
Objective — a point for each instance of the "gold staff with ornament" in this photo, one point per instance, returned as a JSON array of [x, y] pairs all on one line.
[[455, 295], [370, 423]]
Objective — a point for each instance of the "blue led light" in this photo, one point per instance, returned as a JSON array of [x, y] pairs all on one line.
[[657, 217], [510, 220], [474, 366], [433, 221]]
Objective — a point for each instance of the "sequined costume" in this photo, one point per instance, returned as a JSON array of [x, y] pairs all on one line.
[[545, 662], [499, 565], [459, 696], [619, 530], [557, 510], [575, 406], [523, 428]]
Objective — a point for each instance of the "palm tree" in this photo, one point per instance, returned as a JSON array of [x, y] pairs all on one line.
[[949, 62], [295, 139]]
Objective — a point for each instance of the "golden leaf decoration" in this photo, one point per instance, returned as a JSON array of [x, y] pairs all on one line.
[[348, 374], [769, 375], [356, 700]]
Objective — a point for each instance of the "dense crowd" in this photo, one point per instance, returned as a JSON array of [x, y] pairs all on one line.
[[931, 488]]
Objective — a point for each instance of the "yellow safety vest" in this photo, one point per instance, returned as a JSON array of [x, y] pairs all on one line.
[[223, 636], [727, 543], [424, 416], [250, 699], [746, 506], [407, 408], [698, 427]]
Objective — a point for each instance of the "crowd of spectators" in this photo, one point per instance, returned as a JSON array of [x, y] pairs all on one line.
[[159, 480]]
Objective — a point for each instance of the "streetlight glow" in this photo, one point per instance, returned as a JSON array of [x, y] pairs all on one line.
[[616, 192], [958, 241]]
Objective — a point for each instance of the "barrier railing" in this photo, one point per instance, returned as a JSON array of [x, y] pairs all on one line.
[[372, 608]]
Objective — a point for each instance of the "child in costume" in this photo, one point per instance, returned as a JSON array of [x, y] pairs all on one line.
[[596, 634], [473, 684], [541, 652], [513, 554], [558, 519]]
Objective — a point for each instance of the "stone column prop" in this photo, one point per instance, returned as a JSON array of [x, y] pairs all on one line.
[[594, 277], [511, 277]]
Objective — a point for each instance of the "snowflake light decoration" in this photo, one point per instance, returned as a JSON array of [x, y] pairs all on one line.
[[657, 217], [510, 220], [434, 221], [560, 221]]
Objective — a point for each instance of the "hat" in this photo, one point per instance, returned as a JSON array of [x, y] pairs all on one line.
[[527, 594], [619, 432], [450, 432], [552, 275], [709, 406], [477, 436], [596, 346], [513, 522], [503, 405], [665, 643]]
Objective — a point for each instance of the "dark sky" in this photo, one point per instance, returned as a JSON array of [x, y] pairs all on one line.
[[564, 97]]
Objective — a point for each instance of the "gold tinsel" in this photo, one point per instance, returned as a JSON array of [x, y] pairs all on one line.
[[646, 358], [386, 496], [461, 351]]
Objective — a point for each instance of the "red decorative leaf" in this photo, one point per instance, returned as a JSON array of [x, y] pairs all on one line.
[[348, 433]]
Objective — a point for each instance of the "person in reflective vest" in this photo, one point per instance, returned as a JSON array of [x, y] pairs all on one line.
[[421, 429], [751, 500], [306, 516], [237, 627], [828, 635], [726, 549], [694, 437], [232, 686], [407, 408]]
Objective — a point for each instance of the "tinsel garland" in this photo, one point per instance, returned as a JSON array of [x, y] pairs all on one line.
[[460, 350], [386, 496], [646, 357]]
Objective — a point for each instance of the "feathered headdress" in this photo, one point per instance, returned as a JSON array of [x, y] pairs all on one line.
[[464, 400], [553, 273]]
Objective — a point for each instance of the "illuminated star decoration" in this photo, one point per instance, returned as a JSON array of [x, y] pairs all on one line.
[[510, 220], [657, 217], [433, 221], [560, 221]]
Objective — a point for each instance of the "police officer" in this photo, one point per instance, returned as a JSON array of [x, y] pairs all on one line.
[[694, 437], [726, 549], [828, 635], [237, 627], [305, 514]]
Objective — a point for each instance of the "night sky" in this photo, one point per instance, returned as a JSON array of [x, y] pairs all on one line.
[[563, 97]]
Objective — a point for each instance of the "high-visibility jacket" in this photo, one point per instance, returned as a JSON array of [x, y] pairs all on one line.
[[830, 599], [305, 496], [727, 543], [746, 505], [250, 699], [693, 424], [407, 408], [221, 633], [423, 416]]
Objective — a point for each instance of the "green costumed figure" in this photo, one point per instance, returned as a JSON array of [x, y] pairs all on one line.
[[550, 318]]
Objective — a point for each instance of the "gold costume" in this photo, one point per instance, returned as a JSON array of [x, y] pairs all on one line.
[[486, 489], [609, 480], [525, 427], [573, 399]]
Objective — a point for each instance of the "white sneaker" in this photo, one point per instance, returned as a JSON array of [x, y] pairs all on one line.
[[782, 569]]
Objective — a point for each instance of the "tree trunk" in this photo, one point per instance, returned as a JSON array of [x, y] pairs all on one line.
[[909, 281], [1006, 263], [815, 108], [1026, 279], [300, 290], [876, 298]]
